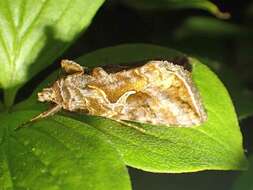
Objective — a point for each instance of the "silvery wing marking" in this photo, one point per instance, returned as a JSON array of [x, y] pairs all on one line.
[[185, 77], [158, 92]]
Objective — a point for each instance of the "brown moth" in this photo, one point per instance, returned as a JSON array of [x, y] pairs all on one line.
[[159, 92]]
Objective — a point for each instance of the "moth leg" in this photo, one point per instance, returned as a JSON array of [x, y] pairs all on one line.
[[47, 113], [71, 67]]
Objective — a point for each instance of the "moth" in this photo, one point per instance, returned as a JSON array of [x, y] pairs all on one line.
[[158, 92]]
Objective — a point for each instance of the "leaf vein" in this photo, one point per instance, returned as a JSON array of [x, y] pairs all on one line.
[[5, 47], [29, 29]]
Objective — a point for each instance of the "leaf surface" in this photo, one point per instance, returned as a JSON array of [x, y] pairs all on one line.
[[58, 153], [176, 4]]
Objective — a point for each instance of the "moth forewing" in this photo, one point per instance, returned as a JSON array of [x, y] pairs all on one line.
[[158, 92]]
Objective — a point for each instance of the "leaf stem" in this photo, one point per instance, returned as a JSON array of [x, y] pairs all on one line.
[[9, 97]]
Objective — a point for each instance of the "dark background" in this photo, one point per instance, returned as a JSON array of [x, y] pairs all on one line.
[[116, 23]]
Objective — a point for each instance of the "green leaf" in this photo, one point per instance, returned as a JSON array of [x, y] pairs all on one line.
[[57, 154], [176, 4], [33, 35], [217, 144], [208, 27]]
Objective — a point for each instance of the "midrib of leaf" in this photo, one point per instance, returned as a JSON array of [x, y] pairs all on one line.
[[10, 94], [164, 140], [4, 146], [36, 17], [30, 28], [190, 169], [14, 45], [7, 179], [153, 135]]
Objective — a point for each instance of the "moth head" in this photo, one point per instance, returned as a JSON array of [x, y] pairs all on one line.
[[47, 95]]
